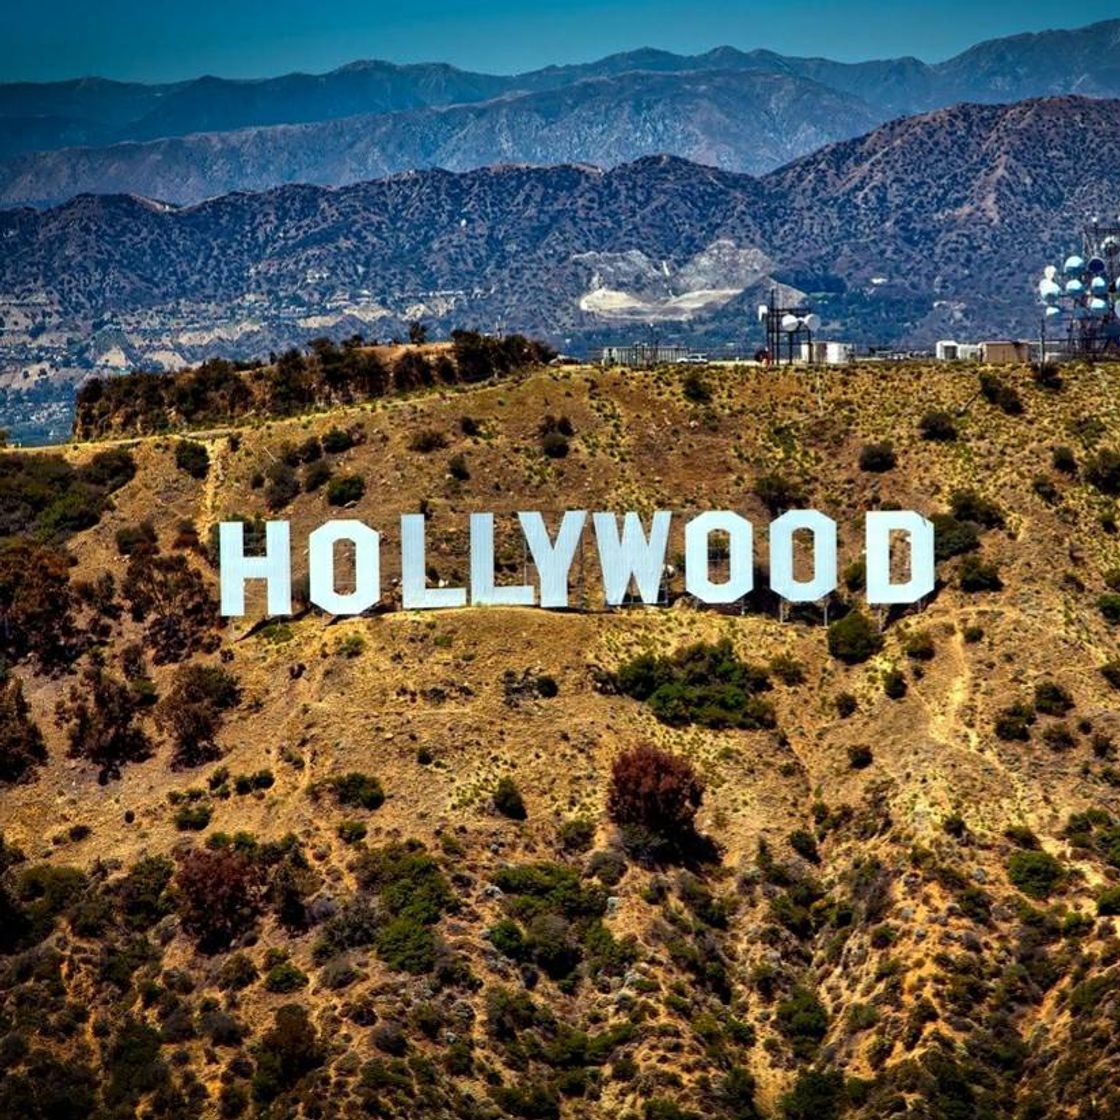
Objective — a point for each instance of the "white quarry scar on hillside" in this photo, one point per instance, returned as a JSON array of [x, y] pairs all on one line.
[[633, 286]]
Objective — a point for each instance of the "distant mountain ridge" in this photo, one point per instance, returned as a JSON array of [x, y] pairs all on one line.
[[749, 121], [926, 225], [743, 111]]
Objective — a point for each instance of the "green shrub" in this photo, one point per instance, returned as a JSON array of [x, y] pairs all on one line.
[[283, 485], [248, 783], [508, 800], [778, 492], [193, 818], [877, 458], [1044, 487], [427, 440], [1052, 699], [22, 750], [344, 489], [978, 575], [555, 445], [954, 825], [787, 669], [705, 684], [351, 832], [336, 441], [316, 475], [407, 880], [1005, 397], [894, 684], [288, 1051], [662, 1108], [130, 538], [193, 458], [407, 945], [855, 575], [859, 757], [803, 843], [237, 972], [285, 977], [1102, 470], [577, 835], [972, 507], [1109, 606], [543, 887], [938, 426], [953, 537], [1108, 902], [846, 704], [802, 1019], [919, 646], [854, 638], [816, 1095], [358, 790], [506, 936], [141, 895], [1063, 459], [695, 388], [1037, 874], [1014, 723], [1058, 737]]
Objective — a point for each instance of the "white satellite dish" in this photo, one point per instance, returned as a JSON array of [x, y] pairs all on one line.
[[1074, 265], [812, 322], [1053, 312], [1098, 285], [1049, 272], [763, 312], [790, 323], [1098, 305], [1074, 287], [1049, 289]]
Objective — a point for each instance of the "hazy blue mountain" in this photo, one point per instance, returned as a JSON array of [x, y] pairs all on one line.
[[749, 121], [103, 114]]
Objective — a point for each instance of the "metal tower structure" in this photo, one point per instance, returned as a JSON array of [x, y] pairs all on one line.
[[1082, 299], [787, 327]]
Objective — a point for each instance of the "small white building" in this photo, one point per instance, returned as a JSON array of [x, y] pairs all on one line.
[[827, 353], [949, 351]]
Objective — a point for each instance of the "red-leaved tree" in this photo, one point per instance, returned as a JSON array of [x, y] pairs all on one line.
[[654, 790], [219, 896]]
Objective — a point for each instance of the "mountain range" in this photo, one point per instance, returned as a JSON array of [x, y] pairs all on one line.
[[742, 111], [931, 224]]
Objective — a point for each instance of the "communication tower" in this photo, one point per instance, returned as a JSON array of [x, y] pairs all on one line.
[[1081, 300], [787, 327]]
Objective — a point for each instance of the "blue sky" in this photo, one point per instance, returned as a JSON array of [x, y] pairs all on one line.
[[141, 40]]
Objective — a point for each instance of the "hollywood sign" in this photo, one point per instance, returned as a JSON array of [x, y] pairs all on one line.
[[628, 554]]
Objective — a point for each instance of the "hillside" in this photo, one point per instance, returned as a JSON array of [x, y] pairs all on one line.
[[888, 906]]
